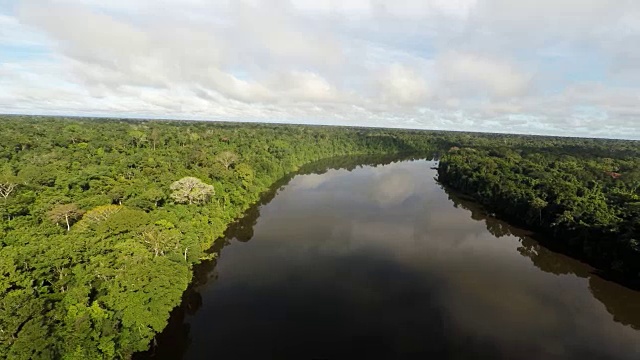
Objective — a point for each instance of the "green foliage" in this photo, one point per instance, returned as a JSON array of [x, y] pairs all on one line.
[[586, 202]]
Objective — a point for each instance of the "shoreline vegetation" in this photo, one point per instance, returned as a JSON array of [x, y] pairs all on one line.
[[102, 220], [585, 205]]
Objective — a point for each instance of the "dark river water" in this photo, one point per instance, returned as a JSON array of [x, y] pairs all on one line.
[[382, 262]]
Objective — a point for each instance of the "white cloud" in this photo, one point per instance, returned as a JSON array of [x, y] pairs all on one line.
[[478, 75], [458, 64], [391, 189], [402, 85]]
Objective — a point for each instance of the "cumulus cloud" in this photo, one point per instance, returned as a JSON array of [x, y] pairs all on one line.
[[551, 67], [478, 75], [402, 85]]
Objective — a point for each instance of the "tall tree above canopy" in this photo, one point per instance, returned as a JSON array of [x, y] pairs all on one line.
[[227, 158], [65, 213], [8, 182], [191, 190]]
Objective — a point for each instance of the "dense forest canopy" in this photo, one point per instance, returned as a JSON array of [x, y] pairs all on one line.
[[102, 220]]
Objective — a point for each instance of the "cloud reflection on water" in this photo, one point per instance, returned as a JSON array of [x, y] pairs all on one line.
[[381, 253]]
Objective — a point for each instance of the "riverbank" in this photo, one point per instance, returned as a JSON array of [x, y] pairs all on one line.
[[595, 227]]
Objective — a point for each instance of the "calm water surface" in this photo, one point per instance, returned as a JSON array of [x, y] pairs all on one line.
[[381, 262]]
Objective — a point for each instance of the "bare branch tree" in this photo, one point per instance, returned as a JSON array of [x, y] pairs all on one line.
[[6, 188]]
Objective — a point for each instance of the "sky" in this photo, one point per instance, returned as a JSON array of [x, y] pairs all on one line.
[[550, 67]]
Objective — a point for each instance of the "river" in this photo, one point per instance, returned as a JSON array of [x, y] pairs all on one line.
[[382, 262]]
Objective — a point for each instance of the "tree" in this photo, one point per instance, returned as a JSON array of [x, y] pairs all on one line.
[[154, 195], [191, 190], [539, 204], [227, 158], [65, 212], [97, 215], [6, 188], [161, 238], [8, 185], [155, 137], [245, 173], [138, 138], [8, 182]]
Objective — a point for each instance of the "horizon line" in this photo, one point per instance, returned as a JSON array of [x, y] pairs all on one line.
[[276, 122]]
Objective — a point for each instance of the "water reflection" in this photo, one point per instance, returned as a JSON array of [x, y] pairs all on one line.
[[173, 342], [376, 262], [621, 302]]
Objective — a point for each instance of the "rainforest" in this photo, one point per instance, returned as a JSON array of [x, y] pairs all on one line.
[[104, 220]]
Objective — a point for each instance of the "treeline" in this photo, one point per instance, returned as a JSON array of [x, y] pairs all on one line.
[[586, 199]]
